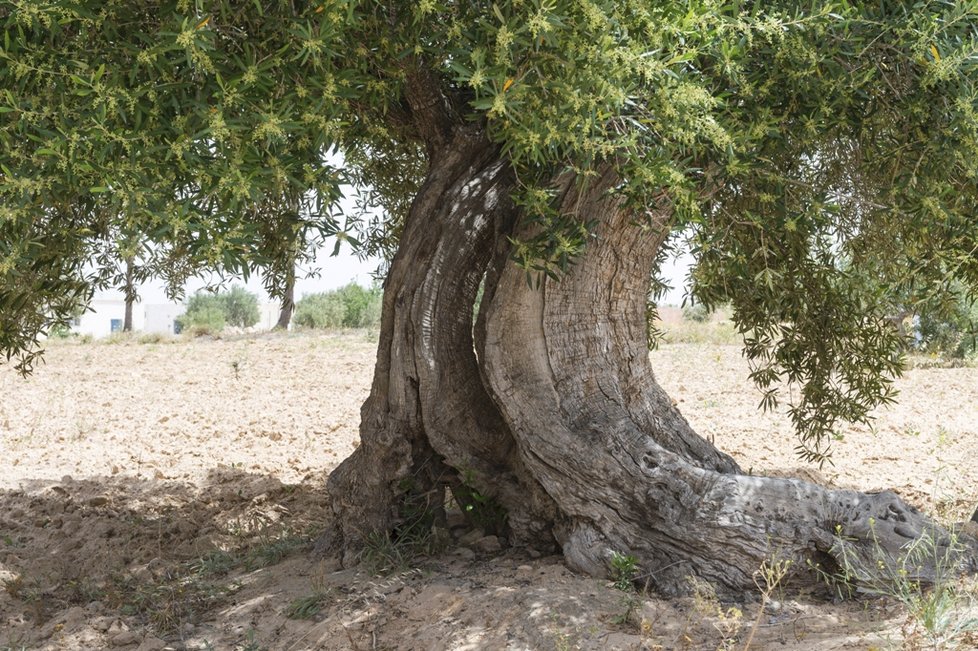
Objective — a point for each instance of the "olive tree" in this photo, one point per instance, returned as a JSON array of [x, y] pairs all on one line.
[[547, 151]]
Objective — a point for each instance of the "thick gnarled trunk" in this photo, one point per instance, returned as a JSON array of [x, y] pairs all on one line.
[[553, 411], [568, 366], [429, 423]]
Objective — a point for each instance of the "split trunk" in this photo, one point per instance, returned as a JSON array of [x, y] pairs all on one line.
[[544, 416]]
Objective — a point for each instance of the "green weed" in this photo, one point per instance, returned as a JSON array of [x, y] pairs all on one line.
[[624, 569], [943, 615], [307, 607]]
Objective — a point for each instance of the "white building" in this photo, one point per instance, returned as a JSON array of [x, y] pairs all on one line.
[[268, 316], [162, 318], [105, 317]]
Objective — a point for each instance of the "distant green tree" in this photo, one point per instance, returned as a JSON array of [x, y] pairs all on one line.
[[351, 306], [212, 312], [320, 310], [205, 314], [361, 306], [240, 307], [697, 313]]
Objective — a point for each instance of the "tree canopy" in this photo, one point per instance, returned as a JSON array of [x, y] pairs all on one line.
[[792, 143]]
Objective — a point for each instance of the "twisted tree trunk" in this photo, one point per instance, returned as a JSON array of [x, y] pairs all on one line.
[[553, 411], [429, 423], [568, 366], [288, 302]]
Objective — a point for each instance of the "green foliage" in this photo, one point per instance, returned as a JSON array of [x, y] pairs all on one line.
[[939, 616], [361, 306], [240, 307], [209, 313], [696, 313], [323, 310], [415, 536], [483, 511], [205, 314], [306, 607], [953, 331], [624, 568], [351, 306], [781, 139]]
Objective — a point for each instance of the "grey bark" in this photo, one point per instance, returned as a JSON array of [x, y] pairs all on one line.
[[129, 291], [569, 369], [288, 303], [554, 412], [429, 423]]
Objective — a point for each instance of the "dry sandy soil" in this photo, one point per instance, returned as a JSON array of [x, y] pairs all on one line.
[[163, 496]]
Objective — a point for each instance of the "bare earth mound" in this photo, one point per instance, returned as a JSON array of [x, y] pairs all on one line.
[[163, 496]]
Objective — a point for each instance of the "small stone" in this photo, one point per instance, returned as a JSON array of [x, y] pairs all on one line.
[[125, 638], [532, 553], [464, 553], [773, 607], [472, 536], [100, 500], [524, 568], [487, 545], [102, 624], [152, 644]]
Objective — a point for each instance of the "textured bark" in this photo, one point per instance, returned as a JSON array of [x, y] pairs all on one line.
[[569, 368], [552, 409], [288, 303], [130, 295], [429, 423]]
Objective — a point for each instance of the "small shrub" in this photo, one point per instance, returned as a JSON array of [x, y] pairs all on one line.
[[696, 313], [306, 607], [953, 335], [208, 313], [322, 310], [356, 300], [351, 306], [941, 616], [370, 317], [117, 338], [205, 315], [60, 332], [624, 568], [481, 510]]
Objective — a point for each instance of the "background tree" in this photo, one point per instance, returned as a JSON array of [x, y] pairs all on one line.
[[351, 306], [546, 151], [206, 314], [210, 312]]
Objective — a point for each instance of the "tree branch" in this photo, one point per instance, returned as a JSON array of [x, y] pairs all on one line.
[[430, 109]]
